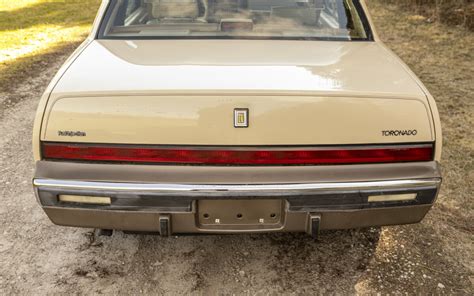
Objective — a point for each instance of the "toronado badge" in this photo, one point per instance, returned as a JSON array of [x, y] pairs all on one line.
[[241, 118]]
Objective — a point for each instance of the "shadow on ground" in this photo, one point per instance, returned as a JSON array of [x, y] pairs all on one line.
[[23, 68], [227, 264]]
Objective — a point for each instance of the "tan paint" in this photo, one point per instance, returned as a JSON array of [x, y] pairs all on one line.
[[208, 120], [136, 173], [186, 222], [308, 84], [49, 90], [184, 92], [434, 108], [216, 66], [45, 97], [243, 214]]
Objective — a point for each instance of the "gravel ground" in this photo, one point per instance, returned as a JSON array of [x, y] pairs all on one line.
[[433, 257]]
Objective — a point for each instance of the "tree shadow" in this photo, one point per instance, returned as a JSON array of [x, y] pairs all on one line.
[[16, 72]]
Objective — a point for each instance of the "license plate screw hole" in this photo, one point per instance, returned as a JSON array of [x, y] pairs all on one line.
[[206, 216], [239, 216], [273, 215]]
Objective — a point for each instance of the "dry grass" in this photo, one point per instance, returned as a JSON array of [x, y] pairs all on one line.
[[34, 31], [453, 12], [443, 57]]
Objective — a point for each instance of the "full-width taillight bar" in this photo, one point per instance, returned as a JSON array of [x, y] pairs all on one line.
[[237, 156]]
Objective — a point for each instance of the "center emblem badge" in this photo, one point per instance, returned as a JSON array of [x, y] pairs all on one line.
[[241, 118]]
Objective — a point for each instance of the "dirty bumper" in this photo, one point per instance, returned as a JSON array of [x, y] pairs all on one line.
[[325, 198]]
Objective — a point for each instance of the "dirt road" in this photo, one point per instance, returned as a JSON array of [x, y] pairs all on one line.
[[435, 256]]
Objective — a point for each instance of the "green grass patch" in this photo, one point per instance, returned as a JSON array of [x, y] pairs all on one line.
[[34, 31]]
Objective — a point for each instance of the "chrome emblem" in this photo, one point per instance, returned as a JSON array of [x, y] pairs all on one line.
[[241, 118]]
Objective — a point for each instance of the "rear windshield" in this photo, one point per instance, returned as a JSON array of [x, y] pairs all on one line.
[[235, 19]]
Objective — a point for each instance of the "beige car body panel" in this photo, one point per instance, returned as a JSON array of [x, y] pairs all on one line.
[[184, 92], [208, 120], [180, 99], [325, 85]]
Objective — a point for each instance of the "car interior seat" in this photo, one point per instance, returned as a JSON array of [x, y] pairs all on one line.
[[306, 11], [185, 10]]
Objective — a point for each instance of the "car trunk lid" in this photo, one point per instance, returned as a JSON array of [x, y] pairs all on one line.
[[186, 93]]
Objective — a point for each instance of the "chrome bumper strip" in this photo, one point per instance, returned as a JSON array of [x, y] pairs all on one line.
[[240, 189]]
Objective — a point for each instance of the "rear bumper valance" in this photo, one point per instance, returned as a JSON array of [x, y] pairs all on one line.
[[124, 196], [179, 197]]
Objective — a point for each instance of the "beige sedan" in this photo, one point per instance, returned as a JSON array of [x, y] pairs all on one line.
[[212, 116]]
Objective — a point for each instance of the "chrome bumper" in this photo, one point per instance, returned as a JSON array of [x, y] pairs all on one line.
[[142, 205], [225, 191], [196, 190], [173, 198]]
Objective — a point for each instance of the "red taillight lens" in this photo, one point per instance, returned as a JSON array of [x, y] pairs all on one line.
[[236, 156]]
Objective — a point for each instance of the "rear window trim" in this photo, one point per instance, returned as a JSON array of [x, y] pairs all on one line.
[[360, 10]]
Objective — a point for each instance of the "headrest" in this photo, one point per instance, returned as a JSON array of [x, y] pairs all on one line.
[[174, 8]]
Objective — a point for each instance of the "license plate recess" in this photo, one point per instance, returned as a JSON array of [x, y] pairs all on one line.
[[240, 214]]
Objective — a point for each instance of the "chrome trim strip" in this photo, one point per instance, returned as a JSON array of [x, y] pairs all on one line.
[[239, 189]]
